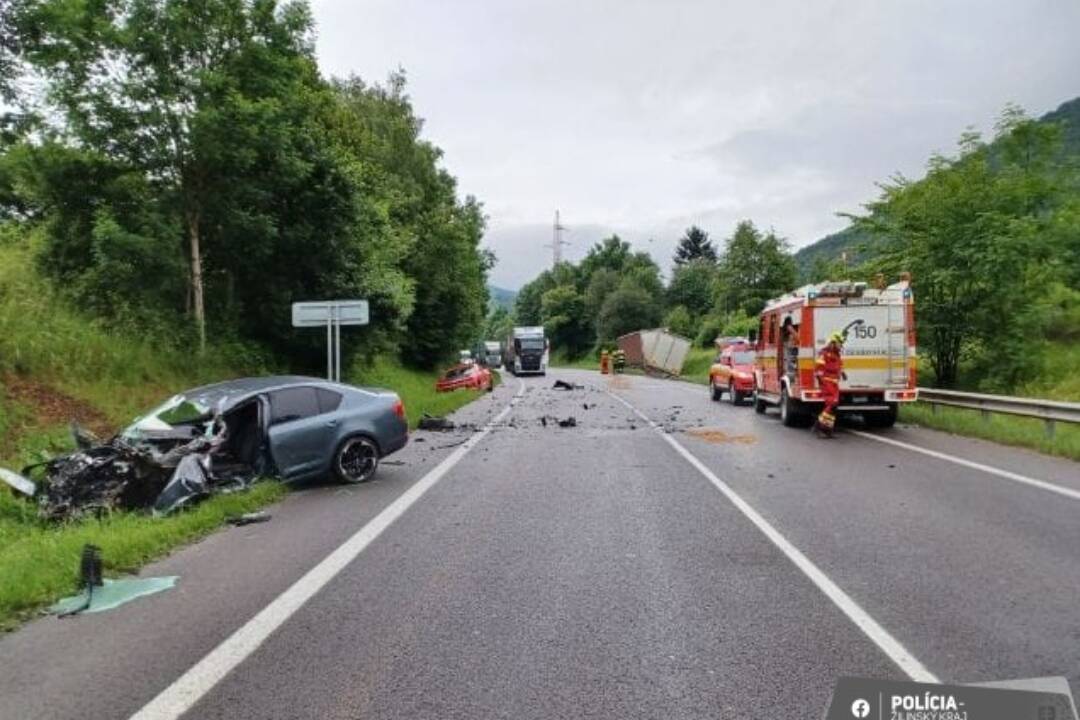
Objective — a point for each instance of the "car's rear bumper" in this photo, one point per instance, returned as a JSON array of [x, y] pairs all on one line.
[[395, 443]]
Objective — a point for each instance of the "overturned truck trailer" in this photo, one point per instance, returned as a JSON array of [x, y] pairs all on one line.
[[655, 350]]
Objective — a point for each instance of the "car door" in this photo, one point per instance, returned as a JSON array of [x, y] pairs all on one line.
[[302, 437]]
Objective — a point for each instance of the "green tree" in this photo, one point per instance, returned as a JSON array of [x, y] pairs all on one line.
[[169, 87], [977, 235], [692, 286], [753, 269], [612, 253], [679, 321], [694, 245], [627, 309], [565, 322]]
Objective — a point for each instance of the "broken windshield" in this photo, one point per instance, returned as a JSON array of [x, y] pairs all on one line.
[[177, 410]]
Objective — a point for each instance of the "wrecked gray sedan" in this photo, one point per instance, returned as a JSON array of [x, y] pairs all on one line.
[[221, 437]]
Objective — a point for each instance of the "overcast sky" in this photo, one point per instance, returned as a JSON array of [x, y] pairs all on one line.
[[645, 117]]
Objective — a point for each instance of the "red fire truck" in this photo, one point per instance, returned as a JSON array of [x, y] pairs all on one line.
[[879, 351]]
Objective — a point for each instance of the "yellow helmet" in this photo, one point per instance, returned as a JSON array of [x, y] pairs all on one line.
[[837, 338]]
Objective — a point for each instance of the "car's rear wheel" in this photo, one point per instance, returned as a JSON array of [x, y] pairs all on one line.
[[357, 460]]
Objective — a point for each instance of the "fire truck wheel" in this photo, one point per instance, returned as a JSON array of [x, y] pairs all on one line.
[[791, 412], [759, 404]]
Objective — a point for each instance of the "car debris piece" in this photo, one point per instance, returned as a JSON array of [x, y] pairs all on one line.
[[18, 482], [113, 593], [89, 576], [563, 385], [435, 422], [568, 422], [83, 438], [250, 518]]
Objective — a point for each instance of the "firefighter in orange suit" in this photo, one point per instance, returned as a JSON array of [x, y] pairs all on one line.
[[829, 370]]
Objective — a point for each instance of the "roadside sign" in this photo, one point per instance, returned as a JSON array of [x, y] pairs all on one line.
[[318, 314], [331, 314]]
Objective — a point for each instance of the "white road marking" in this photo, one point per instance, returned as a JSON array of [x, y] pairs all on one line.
[[182, 695], [1015, 477], [870, 627]]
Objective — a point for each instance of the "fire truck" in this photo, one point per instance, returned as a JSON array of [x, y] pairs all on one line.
[[878, 353]]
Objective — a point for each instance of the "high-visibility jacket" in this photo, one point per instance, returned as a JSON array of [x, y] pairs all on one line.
[[829, 365]]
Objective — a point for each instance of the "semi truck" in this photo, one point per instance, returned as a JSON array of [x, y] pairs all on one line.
[[878, 353], [526, 351]]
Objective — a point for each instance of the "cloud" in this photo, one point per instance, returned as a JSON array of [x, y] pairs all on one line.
[[646, 117]]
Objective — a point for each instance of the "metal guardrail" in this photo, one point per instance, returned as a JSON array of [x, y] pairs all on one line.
[[1050, 411]]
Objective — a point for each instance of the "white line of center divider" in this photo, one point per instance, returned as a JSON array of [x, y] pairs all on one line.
[[870, 627], [1015, 477], [182, 695]]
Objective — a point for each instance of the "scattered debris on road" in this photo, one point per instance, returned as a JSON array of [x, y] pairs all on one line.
[[435, 422], [112, 594], [250, 518], [89, 575], [568, 422], [563, 385]]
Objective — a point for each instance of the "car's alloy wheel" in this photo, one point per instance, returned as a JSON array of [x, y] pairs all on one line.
[[357, 460]]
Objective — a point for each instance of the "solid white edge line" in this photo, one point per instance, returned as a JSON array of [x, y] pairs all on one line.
[[190, 687], [1015, 477], [870, 627]]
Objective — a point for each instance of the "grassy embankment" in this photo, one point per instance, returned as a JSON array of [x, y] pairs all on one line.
[[55, 364], [1059, 380]]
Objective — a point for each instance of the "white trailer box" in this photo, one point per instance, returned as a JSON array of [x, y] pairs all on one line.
[[656, 350]]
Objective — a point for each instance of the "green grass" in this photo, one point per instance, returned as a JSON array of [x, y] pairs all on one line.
[[1004, 429], [39, 562], [697, 364], [416, 388], [121, 375], [588, 361]]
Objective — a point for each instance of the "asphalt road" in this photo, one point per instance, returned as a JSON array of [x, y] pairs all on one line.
[[609, 570]]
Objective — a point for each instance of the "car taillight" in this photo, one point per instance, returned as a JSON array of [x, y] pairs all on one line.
[[399, 409]]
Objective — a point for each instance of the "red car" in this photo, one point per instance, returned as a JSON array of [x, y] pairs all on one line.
[[465, 375], [733, 372]]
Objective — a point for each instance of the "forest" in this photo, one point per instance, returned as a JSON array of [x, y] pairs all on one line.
[[184, 171]]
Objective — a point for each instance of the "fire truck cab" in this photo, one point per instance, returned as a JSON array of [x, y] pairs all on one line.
[[878, 354]]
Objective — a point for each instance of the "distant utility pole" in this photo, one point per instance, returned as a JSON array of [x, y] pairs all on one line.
[[556, 241]]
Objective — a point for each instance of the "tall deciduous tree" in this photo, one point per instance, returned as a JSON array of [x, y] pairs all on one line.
[[150, 82], [692, 286], [694, 245], [977, 234], [753, 268]]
